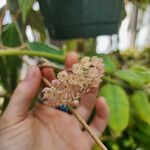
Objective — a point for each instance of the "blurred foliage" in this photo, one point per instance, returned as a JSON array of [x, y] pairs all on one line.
[[126, 84], [141, 3], [118, 102]]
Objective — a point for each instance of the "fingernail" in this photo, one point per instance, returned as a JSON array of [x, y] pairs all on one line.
[[30, 74], [102, 98]]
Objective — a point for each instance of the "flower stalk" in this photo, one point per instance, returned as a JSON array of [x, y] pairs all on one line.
[[91, 133]]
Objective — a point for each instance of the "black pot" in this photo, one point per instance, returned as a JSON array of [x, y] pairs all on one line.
[[67, 19]]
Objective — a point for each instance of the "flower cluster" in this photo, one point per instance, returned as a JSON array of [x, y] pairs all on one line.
[[72, 84]]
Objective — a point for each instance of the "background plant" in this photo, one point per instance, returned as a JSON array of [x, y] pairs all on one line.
[[126, 84]]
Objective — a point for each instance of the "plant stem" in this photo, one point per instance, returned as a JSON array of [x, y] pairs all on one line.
[[13, 52], [91, 133]]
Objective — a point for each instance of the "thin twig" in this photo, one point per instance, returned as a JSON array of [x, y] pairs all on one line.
[[46, 82], [46, 63], [91, 133]]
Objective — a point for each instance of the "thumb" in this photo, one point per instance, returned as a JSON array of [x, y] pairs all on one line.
[[23, 94]]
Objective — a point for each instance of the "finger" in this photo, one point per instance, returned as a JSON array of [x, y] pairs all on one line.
[[87, 104], [100, 120], [24, 93], [48, 73], [71, 58]]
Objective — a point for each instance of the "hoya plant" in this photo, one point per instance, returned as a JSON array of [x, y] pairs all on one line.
[[125, 85]]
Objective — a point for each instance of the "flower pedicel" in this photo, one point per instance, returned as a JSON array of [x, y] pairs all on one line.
[[72, 84]]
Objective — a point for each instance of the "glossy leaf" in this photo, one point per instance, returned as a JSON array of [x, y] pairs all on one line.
[[13, 64], [41, 47], [144, 127], [141, 105], [9, 69], [141, 132], [131, 77], [25, 6], [110, 65], [11, 35], [35, 20], [118, 105], [143, 72], [145, 76]]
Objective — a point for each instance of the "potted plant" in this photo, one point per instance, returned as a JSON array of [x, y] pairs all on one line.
[[81, 18]]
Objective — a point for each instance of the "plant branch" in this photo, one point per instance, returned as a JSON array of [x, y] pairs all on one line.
[[91, 133], [12, 52]]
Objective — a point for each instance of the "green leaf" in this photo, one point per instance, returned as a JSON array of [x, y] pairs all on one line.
[[13, 64], [11, 35], [118, 105], [145, 76], [143, 72], [9, 69], [25, 6], [41, 47], [109, 64], [144, 127], [131, 77], [35, 20], [3, 73], [142, 132], [141, 105]]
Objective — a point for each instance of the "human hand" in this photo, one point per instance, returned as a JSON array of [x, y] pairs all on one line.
[[46, 128]]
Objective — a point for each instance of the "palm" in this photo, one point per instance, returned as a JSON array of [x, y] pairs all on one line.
[[53, 127], [44, 128]]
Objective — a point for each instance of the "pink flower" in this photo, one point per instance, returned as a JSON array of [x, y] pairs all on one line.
[[77, 69], [71, 85], [73, 79], [63, 76]]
